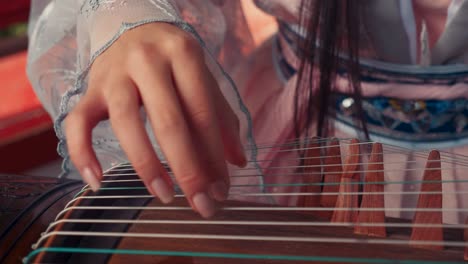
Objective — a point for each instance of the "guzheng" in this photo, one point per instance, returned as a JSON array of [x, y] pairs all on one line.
[[348, 202]]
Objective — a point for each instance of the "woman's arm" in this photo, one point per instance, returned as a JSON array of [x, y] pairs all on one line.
[[97, 60]]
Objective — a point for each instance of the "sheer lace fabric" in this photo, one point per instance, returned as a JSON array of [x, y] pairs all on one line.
[[66, 37]]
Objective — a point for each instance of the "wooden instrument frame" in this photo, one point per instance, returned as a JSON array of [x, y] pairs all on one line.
[[221, 250]]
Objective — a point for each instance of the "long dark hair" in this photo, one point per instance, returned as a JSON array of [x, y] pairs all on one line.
[[331, 27]]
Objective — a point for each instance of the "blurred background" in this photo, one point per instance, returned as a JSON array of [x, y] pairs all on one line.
[[27, 141]]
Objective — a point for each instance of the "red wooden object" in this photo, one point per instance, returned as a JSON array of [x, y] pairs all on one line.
[[312, 175], [348, 185], [432, 183], [373, 196], [332, 174]]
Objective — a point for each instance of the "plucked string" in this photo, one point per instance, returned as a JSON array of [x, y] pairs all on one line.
[[116, 180]]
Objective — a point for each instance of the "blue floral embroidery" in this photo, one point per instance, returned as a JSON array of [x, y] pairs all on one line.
[[420, 118], [392, 118]]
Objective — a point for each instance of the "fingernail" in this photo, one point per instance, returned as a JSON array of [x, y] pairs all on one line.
[[219, 190], [204, 204], [162, 190], [91, 179]]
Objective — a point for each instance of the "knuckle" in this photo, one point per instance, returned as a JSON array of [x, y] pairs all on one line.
[[118, 113], [189, 179], [120, 106], [167, 123], [184, 44], [203, 118], [142, 52]]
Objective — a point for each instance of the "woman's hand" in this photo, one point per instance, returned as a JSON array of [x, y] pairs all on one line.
[[162, 68]]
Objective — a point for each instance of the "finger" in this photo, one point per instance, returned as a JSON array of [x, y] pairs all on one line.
[[78, 131], [230, 128], [170, 128], [195, 86], [123, 104]]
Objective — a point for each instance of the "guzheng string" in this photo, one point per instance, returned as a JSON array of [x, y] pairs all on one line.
[[256, 238], [230, 255], [122, 175]]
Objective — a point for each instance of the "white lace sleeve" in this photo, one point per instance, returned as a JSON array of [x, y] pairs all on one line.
[[67, 35]]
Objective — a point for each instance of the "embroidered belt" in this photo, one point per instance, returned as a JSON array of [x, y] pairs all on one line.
[[400, 121]]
